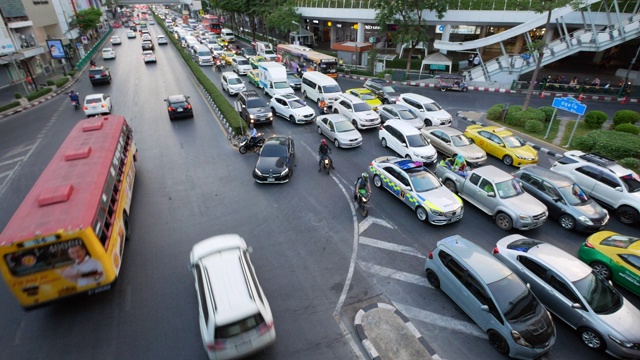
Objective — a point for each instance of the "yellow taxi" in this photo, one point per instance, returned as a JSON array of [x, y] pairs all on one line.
[[222, 42], [503, 144], [615, 257], [367, 96], [227, 56], [255, 60]]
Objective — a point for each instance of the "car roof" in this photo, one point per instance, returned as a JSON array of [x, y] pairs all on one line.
[[175, 98], [418, 97], [360, 90], [353, 99], [379, 81], [279, 139], [598, 160], [403, 126], [94, 96], [487, 267], [148, 52], [498, 130], [546, 174], [493, 173], [395, 106], [445, 129], [288, 96], [335, 117]]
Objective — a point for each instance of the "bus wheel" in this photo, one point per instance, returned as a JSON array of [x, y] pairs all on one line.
[[125, 222]]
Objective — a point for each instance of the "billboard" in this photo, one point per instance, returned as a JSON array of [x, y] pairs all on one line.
[[6, 45], [56, 49]]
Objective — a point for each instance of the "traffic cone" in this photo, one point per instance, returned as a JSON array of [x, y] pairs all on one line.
[[542, 94], [580, 97]]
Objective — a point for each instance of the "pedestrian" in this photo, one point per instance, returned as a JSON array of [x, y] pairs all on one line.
[[476, 60], [595, 82]]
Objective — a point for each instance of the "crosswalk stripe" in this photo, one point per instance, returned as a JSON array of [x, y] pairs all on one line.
[[390, 246], [364, 224], [394, 274], [440, 320]]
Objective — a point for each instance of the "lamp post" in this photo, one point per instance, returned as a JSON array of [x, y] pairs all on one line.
[[633, 62]]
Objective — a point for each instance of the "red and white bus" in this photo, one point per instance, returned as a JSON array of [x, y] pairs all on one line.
[[68, 235], [211, 23]]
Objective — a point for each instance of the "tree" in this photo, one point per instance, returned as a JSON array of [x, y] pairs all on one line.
[[408, 16], [536, 48], [282, 18], [88, 19]]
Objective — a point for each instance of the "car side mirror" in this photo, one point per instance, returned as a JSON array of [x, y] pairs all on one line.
[[618, 189], [491, 194], [484, 308], [576, 306], [403, 144]]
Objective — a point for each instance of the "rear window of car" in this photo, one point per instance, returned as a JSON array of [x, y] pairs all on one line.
[[179, 103], [95, 71], [238, 327], [93, 101]]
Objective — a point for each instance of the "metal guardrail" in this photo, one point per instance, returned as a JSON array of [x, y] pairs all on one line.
[[94, 49], [573, 89], [486, 5]]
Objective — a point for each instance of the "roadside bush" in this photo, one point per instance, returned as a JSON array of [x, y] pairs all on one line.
[[61, 82], [625, 117], [519, 118], [512, 114], [36, 94], [630, 163], [50, 82], [18, 96], [613, 144], [494, 112], [74, 72], [8, 106], [628, 128], [548, 112], [534, 126], [595, 119]]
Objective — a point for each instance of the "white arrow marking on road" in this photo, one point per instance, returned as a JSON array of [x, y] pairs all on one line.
[[394, 274], [364, 224], [439, 320], [390, 246]]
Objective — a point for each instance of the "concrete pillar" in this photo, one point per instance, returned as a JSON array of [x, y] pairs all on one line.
[[332, 34], [445, 36], [360, 35], [517, 47], [483, 33]]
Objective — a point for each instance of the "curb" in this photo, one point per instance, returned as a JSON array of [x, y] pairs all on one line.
[[533, 145], [506, 91], [373, 353]]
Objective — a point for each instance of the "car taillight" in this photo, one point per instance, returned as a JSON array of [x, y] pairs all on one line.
[[589, 245], [104, 105], [86, 108], [188, 106], [91, 76], [265, 327], [170, 108], [381, 127], [219, 345], [495, 250], [103, 74], [430, 255]]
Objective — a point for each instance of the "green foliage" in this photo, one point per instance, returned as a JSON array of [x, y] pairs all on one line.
[[613, 144], [625, 117], [595, 119], [36, 94], [512, 114], [281, 19], [8, 106], [628, 128], [72, 72], [50, 82], [88, 19], [630, 163], [18, 96], [534, 126], [548, 112], [494, 112], [60, 82]]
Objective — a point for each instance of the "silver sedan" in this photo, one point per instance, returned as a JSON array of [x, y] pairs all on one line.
[[451, 141], [339, 129]]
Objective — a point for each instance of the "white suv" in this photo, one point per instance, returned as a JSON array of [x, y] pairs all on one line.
[[231, 83], [407, 141], [292, 108], [240, 65], [357, 111], [428, 110], [611, 184]]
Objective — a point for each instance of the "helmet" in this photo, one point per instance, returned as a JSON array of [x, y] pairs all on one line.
[[250, 126], [323, 142], [72, 92], [365, 176]]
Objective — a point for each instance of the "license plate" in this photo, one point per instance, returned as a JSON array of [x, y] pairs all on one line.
[[180, 109], [67, 291], [98, 76], [271, 179]]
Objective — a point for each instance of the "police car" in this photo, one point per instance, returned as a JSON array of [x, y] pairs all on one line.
[[418, 188]]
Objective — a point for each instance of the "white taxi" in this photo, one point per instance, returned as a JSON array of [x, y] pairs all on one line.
[[97, 104]]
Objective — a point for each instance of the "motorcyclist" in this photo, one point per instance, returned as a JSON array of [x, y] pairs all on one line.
[[253, 135], [323, 105], [362, 185], [324, 150], [92, 63], [74, 97]]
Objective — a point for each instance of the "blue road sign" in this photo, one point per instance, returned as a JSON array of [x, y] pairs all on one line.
[[569, 104]]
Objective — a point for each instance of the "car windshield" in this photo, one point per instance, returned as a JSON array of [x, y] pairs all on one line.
[[574, 195], [631, 182], [432, 106], [367, 96], [513, 298], [331, 89], [243, 62], [343, 126], [235, 81], [599, 294], [204, 53], [512, 141], [460, 140], [212, 41], [216, 48], [273, 150], [363, 106], [256, 103], [407, 114], [389, 89], [417, 141], [508, 188], [424, 181], [281, 85], [269, 52]]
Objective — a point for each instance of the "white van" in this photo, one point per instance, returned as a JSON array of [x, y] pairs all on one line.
[[316, 85], [265, 50], [234, 314], [273, 78], [227, 35], [202, 55]]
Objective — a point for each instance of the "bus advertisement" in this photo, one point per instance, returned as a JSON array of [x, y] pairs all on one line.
[[211, 23], [296, 57], [68, 235]]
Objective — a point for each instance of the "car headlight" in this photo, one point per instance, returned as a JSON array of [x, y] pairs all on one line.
[[519, 339], [436, 212], [623, 343], [585, 220], [525, 217], [251, 116], [285, 172], [417, 155], [257, 172], [525, 157]]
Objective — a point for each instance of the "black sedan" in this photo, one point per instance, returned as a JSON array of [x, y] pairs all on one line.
[[178, 106], [275, 164]]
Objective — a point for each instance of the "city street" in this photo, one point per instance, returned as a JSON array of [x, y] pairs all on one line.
[[317, 261]]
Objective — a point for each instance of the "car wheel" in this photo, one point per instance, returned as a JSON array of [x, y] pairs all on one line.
[[264, 91], [443, 89], [592, 339], [427, 122], [292, 119], [319, 131], [601, 269], [385, 101], [408, 157], [507, 160], [498, 342], [336, 143], [384, 142], [567, 222], [304, 94], [433, 279], [273, 112], [335, 111], [464, 89], [504, 221], [421, 213], [449, 184], [627, 215], [377, 181]]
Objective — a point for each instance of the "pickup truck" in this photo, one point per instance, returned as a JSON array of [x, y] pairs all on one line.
[[496, 193]]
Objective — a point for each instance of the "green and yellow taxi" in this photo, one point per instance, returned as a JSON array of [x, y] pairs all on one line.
[[255, 60], [222, 42], [254, 77], [503, 144], [615, 257], [367, 96]]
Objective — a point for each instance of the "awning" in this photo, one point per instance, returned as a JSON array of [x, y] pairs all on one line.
[[436, 58]]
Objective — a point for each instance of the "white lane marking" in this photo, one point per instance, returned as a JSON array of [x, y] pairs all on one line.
[[364, 224], [394, 274], [440, 320], [12, 160], [17, 167], [390, 246]]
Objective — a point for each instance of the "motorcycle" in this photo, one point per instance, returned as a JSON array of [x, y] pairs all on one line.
[[255, 146], [76, 103], [326, 163], [363, 202], [219, 65]]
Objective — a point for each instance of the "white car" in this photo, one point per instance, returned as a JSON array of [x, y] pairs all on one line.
[[357, 111], [148, 56], [152, 22], [427, 109], [131, 34], [339, 130], [161, 40], [292, 108], [240, 65], [407, 141], [216, 49], [231, 83], [97, 104], [108, 53], [115, 40]]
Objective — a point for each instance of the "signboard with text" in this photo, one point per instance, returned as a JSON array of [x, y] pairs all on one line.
[[569, 104], [6, 45]]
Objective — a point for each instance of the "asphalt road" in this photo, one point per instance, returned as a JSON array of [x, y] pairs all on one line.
[[317, 262]]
